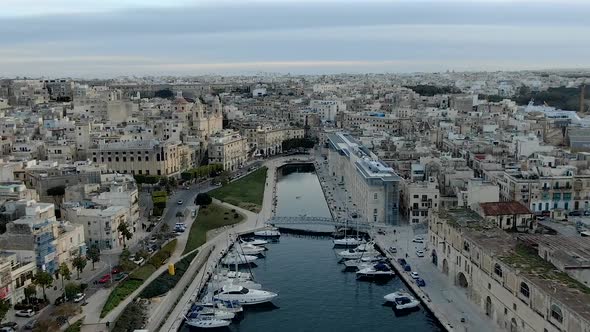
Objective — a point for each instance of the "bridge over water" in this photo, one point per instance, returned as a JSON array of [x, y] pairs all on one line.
[[307, 220]]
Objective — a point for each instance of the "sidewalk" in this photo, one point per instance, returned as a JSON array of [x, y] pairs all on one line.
[[450, 302]]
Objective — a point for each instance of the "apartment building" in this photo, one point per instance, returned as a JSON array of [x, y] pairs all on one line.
[[147, 157], [268, 140], [522, 282], [33, 236], [419, 200], [100, 222], [15, 276], [328, 109], [373, 185], [228, 148]]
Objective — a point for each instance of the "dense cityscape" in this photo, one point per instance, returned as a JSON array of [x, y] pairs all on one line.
[[294, 166]]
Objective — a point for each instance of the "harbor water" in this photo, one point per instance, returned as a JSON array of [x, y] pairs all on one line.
[[315, 293]]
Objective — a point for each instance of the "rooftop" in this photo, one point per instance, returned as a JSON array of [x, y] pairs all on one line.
[[503, 208]]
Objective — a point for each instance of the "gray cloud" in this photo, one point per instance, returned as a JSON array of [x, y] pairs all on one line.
[[318, 37]]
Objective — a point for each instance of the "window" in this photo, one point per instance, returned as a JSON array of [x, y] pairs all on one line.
[[416, 196], [524, 290], [110, 159], [514, 306], [138, 158], [374, 211], [556, 313], [375, 196], [498, 270]]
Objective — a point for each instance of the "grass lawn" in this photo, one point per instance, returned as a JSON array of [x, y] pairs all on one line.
[[143, 272], [246, 192], [208, 218]]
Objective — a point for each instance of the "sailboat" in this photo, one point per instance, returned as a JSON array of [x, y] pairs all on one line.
[[349, 241]]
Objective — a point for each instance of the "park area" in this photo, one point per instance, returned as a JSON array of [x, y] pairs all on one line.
[[210, 217], [246, 192]]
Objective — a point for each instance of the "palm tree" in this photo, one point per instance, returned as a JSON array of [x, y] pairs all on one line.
[[123, 228]]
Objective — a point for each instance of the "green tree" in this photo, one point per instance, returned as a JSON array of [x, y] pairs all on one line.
[[93, 254], [164, 228], [4, 307], [72, 289], [30, 292], [64, 272], [172, 182], [203, 199], [123, 228], [44, 280], [79, 264]]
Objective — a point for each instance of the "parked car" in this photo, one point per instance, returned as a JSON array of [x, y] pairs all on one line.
[[60, 300], [25, 313], [419, 253], [139, 261], [407, 268], [414, 275], [575, 213], [104, 279], [7, 329], [586, 213], [10, 325], [420, 282], [402, 261], [120, 276], [79, 297], [392, 250], [116, 269], [30, 325], [418, 239]]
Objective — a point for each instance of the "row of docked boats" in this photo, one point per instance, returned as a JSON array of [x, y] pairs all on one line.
[[229, 288], [369, 264]]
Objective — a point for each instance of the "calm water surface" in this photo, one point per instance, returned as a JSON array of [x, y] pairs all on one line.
[[315, 294]]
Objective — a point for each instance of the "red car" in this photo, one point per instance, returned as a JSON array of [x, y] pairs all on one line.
[[106, 278], [116, 270]]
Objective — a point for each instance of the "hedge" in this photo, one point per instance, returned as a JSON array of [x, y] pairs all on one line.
[[163, 254], [165, 282]]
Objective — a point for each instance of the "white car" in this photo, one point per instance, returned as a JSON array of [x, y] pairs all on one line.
[[419, 253], [25, 313], [139, 261], [414, 275], [79, 297], [418, 239]]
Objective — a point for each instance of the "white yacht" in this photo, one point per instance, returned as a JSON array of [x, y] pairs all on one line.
[[348, 242], [250, 249], [230, 306], [255, 242], [207, 322], [243, 295], [402, 300], [366, 249], [198, 311], [363, 261], [219, 281], [379, 270], [237, 259], [268, 232]]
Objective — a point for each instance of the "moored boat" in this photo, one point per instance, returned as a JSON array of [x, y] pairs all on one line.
[[402, 300]]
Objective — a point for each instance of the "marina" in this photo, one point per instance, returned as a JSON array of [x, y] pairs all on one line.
[[301, 276]]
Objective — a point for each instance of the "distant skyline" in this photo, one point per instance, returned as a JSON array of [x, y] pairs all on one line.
[[146, 37]]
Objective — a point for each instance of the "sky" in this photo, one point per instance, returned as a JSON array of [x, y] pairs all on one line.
[[107, 38]]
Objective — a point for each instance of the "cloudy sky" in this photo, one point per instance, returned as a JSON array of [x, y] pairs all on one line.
[[103, 38]]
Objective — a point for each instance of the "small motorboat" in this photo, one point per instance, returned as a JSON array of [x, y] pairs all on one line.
[[250, 249], [268, 232], [255, 242], [210, 312], [243, 295], [379, 270], [238, 259], [203, 322], [348, 242], [402, 300], [220, 281], [231, 306], [363, 261]]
